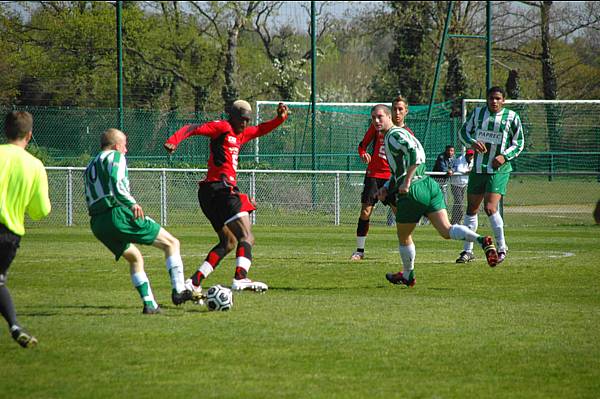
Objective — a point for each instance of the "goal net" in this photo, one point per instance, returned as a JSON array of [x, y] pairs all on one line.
[[561, 136], [339, 127]]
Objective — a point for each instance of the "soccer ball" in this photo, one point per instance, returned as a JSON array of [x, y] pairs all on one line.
[[219, 298]]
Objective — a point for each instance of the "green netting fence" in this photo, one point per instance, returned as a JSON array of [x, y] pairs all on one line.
[[559, 137]]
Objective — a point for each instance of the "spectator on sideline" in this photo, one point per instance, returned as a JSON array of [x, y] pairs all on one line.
[[496, 135], [227, 209], [23, 189], [458, 184], [444, 163], [378, 172], [417, 195], [118, 221]]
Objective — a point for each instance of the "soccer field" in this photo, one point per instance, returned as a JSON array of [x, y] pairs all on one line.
[[327, 328]]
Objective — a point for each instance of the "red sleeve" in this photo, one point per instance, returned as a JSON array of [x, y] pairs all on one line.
[[210, 129], [410, 131], [369, 137], [252, 132]]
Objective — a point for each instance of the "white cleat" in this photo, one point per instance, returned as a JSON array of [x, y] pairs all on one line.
[[357, 256], [247, 284], [197, 296]]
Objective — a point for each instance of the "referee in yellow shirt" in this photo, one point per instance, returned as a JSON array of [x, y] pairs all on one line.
[[23, 188]]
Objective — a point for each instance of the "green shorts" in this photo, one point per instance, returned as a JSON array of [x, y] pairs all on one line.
[[481, 183], [424, 196], [117, 228]]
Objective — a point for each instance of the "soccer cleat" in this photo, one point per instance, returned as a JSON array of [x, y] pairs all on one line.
[[180, 297], [197, 296], [398, 278], [465, 257], [357, 256], [247, 284], [501, 257], [490, 251], [23, 338], [149, 310]]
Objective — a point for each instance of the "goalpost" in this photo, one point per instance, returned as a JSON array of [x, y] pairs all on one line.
[[561, 136]]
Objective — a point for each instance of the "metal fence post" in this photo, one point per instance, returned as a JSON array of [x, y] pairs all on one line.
[[69, 199], [253, 193], [163, 197], [336, 199]]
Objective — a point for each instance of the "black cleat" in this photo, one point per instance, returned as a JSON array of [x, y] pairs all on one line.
[[149, 310], [180, 297], [465, 257], [398, 278], [24, 339]]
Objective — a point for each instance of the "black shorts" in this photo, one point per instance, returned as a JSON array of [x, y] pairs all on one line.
[[221, 202], [370, 187], [9, 243]]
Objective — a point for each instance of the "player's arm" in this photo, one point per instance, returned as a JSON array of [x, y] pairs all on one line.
[[120, 184], [268, 126], [211, 129], [39, 206], [364, 144], [410, 172], [516, 145]]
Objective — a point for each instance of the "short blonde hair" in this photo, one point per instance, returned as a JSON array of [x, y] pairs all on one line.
[[400, 99], [383, 107], [110, 137]]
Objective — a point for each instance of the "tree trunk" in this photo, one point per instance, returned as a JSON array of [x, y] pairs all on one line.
[[548, 71], [513, 88], [230, 90]]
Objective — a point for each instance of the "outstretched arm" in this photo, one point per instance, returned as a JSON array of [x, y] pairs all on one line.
[[211, 129]]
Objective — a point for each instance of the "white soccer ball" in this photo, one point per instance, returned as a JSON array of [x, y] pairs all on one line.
[[219, 298]]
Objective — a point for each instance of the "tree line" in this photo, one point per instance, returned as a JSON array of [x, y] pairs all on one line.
[[200, 56]]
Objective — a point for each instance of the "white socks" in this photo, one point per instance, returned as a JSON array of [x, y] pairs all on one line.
[[460, 232], [360, 242], [407, 254], [472, 223], [498, 229], [175, 270]]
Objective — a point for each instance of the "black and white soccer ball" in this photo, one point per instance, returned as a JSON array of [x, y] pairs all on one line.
[[219, 298]]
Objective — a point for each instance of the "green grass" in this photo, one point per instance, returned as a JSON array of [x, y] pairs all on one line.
[[327, 328]]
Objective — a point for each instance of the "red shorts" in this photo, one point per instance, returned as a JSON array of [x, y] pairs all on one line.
[[221, 202]]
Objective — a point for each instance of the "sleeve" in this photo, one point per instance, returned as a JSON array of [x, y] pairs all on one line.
[[120, 180], [517, 142], [210, 129], [253, 132], [367, 139], [39, 206], [467, 129]]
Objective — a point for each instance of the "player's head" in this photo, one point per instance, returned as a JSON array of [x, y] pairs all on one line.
[[240, 114], [449, 151], [18, 125], [113, 139], [381, 118], [495, 98], [399, 110]]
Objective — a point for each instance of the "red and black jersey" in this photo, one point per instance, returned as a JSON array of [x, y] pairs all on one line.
[[378, 167], [225, 145]]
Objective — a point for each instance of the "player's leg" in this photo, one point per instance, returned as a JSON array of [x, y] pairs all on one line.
[[227, 242], [368, 201], [139, 279], [362, 230], [407, 256], [9, 243], [241, 227], [171, 247], [495, 189], [475, 193]]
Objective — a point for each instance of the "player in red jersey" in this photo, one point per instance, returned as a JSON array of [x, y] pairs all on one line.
[[378, 172], [227, 209]]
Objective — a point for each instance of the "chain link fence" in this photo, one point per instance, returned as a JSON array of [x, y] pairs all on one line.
[[308, 198]]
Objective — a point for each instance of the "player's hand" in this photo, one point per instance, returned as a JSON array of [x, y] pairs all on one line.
[[403, 189], [498, 161], [449, 173], [282, 110], [170, 147], [479, 147], [137, 210], [366, 157]]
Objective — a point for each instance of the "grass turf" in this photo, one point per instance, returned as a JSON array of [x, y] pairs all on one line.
[[327, 328]]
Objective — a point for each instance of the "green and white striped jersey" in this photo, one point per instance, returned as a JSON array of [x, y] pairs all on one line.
[[502, 134], [403, 150], [107, 183]]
